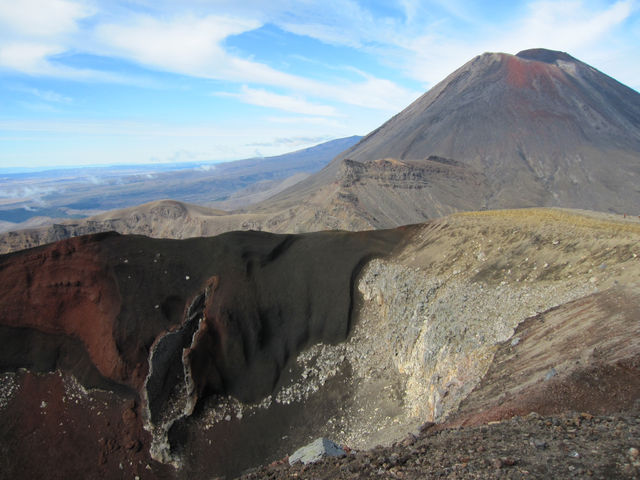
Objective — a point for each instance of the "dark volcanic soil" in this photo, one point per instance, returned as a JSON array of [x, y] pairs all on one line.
[[573, 445], [52, 429]]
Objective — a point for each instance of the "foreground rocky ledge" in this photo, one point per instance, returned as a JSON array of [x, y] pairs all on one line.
[[573, 445]]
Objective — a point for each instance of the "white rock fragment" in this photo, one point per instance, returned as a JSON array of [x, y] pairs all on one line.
[[316, 450]]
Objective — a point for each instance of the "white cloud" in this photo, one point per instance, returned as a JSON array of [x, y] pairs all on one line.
[[188, 44], [46, 95], [28, 57], [42, 17], [572, 26], [567, 25], [294, 104], [34, 32], [36, 59]]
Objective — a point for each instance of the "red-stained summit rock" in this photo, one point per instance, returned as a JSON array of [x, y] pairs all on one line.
[[523, 73]]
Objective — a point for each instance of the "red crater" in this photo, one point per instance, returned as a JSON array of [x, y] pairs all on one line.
[[65, 288], [531, 74]]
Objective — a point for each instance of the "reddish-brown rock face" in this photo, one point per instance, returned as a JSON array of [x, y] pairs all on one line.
[[51, 429], [522, 73], [67, 288]]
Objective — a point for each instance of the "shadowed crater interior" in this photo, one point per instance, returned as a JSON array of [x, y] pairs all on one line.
[[264, 298]]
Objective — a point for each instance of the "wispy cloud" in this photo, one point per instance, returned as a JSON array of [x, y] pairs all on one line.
[[46, 95], [33, 194], [574, 26], [28, 57], [287, 103], [43, 18], [570, 25], [186, 44], [39, 59], [192, 45], [291, 141], [35, 30]]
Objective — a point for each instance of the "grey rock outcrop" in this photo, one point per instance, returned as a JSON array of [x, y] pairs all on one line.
[[319, 448]]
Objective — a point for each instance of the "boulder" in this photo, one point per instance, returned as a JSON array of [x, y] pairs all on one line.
[[319, 448]]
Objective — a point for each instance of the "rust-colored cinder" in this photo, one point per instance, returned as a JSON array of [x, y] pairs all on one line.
[[66, 288]]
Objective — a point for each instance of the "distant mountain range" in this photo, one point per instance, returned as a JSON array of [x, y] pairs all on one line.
[[539, 128], [81, 192]]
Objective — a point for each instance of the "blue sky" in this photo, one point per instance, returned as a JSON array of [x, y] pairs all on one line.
[[108, 82]]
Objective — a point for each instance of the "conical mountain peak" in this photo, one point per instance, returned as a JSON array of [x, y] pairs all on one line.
[[539, 128], [544, 55]]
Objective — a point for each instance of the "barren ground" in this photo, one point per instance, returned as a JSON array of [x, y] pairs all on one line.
[[473, 322]]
